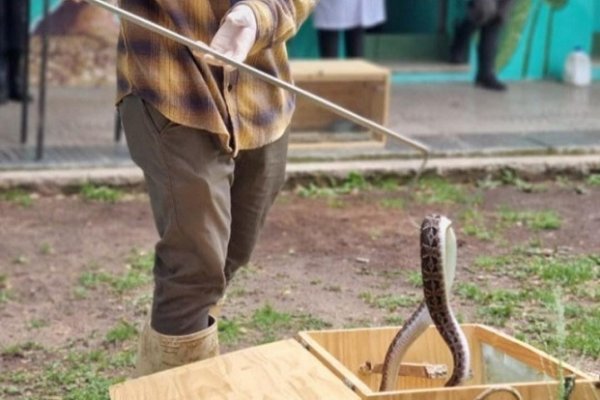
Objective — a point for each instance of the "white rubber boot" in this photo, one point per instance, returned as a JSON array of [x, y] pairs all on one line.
[[157, 352]]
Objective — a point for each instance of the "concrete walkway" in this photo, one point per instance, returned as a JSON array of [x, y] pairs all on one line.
[[455, 120]]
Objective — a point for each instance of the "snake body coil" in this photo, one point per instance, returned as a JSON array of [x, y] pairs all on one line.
[[438, 267]]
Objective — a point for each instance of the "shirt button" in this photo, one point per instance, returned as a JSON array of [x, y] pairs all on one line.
[[229, 87]]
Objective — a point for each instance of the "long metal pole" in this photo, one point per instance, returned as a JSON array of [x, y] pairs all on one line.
[[25, 77], [39, 151], [364, 122]]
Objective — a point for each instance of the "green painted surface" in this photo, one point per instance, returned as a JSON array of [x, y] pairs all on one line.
[[415, 47]]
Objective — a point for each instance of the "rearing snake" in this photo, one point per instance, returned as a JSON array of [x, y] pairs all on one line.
[[438, 267]]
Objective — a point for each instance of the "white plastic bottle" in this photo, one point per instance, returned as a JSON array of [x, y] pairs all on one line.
[[578, 68]]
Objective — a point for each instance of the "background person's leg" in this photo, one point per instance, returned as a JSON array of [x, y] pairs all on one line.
[[328, 43], [3, 51], [258, 178], [355, 42], [486, 55], [461, 42], [17, 24]]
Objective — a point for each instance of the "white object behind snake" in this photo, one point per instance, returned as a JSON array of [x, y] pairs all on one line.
[[438, 268]]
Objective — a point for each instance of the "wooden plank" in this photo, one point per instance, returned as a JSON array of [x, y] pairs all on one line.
[[280, 370], [339, 70], [529, 391]]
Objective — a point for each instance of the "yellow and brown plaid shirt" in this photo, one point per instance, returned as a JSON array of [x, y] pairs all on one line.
[[244, 111]]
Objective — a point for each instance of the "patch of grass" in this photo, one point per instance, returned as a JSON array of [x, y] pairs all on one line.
[[563, 272], [46, 249], [536, 220], [272, 324], [230, 331], [354, 182], [100, 193], [473, 224], [269, 322], [593, 180], [37, 323], [435, 190], [492, 263], [123, 332], [389, 302], [17, 196], [4, 289], [394, 320], [415, 279], [20, 349], [510, 177], [138, 272], [393, 203], [79, 376]]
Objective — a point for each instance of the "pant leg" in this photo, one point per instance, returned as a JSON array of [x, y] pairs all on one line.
[[461, 42], [258, 178], [189, 178], [328, 43], [488, 48], [355, 42], [3, 51], [18, 25]]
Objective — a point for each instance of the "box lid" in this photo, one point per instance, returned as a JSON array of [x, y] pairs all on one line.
[[280, 370]]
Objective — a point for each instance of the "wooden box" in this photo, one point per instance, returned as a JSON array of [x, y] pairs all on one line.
[[358, 85], [325, 365], [496, 359]]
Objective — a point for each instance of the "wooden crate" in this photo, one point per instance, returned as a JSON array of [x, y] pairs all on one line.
[[358, 85], [535, 374], [325, 365]]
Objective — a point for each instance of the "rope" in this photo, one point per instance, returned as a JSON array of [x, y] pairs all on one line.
[[499, 389]]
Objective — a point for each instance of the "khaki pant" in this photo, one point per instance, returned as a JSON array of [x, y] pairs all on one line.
[[208, 209]]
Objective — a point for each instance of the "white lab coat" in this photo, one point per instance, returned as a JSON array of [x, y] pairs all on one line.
[[346, 14]]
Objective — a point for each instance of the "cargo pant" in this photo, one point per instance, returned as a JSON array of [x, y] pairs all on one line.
[[208, 209]]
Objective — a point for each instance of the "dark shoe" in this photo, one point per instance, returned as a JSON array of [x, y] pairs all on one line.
[[490, 83]]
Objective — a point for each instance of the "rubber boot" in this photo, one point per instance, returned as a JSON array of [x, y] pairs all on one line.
[[158, 352]]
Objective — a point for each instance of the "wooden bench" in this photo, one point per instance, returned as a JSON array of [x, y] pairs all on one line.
[[358, 85]]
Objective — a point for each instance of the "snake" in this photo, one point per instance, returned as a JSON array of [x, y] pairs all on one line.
[[438, 268]]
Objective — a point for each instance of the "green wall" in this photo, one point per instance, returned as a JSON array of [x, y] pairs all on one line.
[[537, 39]]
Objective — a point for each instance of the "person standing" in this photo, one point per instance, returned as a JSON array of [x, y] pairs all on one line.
[[14, 25], [488, 17], [212, 143], [348, 17]]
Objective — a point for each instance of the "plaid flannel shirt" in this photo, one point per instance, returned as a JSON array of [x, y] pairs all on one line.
[[242, 110]]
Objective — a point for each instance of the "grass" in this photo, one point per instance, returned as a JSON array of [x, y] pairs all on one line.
[[122, 332], [138, 272], [593, 180], [536, 220], [99, 193], [389, 302], [436, 190], [17, 196]]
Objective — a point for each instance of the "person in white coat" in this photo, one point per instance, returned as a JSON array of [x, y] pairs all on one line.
[[350, 17]]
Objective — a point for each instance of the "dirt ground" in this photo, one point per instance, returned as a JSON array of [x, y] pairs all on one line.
[[323, 259]]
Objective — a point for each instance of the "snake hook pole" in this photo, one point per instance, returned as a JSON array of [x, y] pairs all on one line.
[[326, 104]]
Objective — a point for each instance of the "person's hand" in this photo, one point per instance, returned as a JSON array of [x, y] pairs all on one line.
[[236, 36]]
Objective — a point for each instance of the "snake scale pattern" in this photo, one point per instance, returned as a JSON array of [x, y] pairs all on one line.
[[438, 267]]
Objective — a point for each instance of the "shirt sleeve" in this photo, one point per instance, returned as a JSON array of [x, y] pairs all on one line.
[[278, 20]]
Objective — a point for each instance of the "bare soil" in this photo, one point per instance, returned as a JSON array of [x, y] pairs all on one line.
[[317, 256]]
